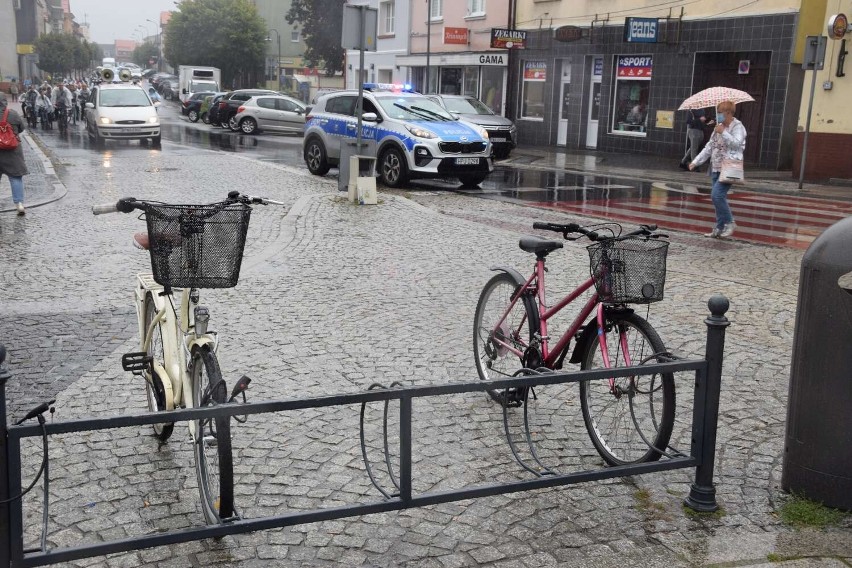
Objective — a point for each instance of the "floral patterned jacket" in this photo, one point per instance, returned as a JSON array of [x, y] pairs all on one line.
[[729, 144]]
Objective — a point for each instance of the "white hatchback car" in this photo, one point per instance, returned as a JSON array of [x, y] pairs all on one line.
[[278, 113], [121, 111]]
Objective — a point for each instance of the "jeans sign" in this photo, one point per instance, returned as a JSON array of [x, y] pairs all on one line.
[[641, 30]]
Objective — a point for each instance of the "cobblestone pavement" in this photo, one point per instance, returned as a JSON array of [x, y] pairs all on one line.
[[333, 298]]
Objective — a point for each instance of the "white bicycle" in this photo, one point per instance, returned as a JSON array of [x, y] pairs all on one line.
[[191, 247]]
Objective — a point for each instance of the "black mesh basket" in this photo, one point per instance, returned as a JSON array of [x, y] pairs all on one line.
[[629, 271], [197, 246]]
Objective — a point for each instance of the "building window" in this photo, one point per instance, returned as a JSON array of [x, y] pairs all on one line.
[[632, 91], [387, 11], [437, 12], [475, 7], [295, 36], [532, 98]]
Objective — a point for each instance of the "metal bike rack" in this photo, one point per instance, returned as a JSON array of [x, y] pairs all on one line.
[[702, 495]]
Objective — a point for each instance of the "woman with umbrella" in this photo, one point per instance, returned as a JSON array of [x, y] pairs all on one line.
[[726, 143]]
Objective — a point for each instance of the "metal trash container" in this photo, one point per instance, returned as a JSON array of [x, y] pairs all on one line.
[[818, 444]]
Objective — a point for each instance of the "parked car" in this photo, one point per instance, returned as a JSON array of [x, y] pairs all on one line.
[[157, 77], [121, 111], [191, 107], [169, 89], [414, 137], [274, 113], [229, 104], [210, 114], [501, 131]]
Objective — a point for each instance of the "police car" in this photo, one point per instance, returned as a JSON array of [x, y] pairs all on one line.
[[414, 137]]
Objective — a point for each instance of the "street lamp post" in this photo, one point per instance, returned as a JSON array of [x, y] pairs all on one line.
[[277, 63], [159, 44]]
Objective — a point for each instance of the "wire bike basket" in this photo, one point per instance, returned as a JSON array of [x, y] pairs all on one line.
[[197, 246], [629, 271]]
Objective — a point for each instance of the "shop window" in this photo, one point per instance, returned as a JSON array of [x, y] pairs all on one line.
[[451, 80], [492, 88], [632, 92], [532, 98], [437, 12], [471, 81], [387, 11]]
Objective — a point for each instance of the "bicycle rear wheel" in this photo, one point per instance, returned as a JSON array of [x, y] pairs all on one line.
[[630, 420], [494, 360], [213, 459], [154, 390]]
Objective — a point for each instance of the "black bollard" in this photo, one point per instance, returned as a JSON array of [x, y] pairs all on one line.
[[702, 493]]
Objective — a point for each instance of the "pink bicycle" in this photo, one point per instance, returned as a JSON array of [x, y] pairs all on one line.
[[629, 419]]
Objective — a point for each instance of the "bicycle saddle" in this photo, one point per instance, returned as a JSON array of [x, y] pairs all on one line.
[[141, 240], [538, 245]]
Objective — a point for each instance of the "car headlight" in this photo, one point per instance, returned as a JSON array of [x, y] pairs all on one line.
[[420, 132], [104, 120], [153, 120], [482, 132]]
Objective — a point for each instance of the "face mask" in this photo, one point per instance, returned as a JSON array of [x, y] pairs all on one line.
[[720, 117]]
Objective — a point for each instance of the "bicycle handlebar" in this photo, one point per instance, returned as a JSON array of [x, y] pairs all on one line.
[[567, 229], [129, 204]]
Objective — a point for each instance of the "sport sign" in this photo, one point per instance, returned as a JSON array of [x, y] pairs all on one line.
[[635, 66]]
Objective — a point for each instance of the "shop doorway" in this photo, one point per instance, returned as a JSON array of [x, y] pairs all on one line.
[[596, 74], [564, 104], [744, 70]]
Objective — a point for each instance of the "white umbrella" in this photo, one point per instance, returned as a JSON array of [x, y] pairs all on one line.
[[713, 96]]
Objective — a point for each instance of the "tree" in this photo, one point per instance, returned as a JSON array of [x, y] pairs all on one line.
[[56, 53], [322, 27], [228, 34], [144, 53]]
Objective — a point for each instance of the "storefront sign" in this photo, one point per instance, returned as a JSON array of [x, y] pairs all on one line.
[[457, 36], [635, 66], [502, 38], [665, 119], [838, 25], [492, 60], [640, 30], [535, 70], [568, 33], [25, 48], [598, 69]]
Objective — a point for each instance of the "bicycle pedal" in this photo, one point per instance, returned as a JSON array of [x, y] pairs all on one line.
[[136, 362]]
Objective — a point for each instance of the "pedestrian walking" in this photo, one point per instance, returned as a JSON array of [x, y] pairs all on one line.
[[14, 91], [695, 123], [727, 142], [12, 161]]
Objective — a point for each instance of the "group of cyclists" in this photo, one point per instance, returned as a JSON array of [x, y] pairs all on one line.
[[63, 102]]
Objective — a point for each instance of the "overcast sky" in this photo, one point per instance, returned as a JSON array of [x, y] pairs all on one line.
[[118, 19]]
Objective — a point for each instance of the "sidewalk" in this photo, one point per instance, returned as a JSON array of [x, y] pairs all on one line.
[[41, 185], [664, 171]]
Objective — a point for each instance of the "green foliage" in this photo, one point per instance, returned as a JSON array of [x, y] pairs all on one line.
[[322, 27], [143, 53], [228, 34], [63, 54], [801, 512]]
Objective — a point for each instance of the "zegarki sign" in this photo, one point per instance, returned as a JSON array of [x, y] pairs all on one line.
[[503, 38], [635, 66]]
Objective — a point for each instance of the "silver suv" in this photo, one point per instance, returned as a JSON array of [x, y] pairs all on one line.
[[414, 137]]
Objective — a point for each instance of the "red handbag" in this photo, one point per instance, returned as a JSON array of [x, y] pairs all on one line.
[[8, 138]]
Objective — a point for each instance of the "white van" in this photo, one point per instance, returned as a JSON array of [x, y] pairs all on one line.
[[196, 79]]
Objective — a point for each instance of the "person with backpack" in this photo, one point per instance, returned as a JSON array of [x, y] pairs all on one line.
[[11, 154]]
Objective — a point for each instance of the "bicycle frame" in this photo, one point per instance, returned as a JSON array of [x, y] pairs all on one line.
[[535, 284], [178, 336]]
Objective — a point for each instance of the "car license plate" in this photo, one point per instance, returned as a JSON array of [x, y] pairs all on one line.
[[467, 161], [498, 139], [132, 130]]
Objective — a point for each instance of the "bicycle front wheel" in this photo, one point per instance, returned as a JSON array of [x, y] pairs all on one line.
[[499, 345], [155, 392], [629, 419], [213, 459]]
